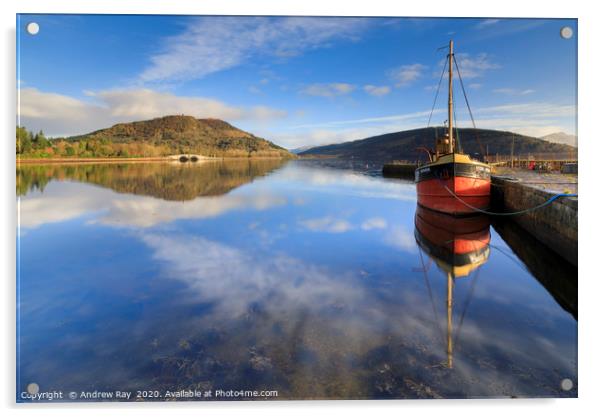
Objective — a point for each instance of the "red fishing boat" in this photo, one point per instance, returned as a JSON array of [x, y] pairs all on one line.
[[452, 182]]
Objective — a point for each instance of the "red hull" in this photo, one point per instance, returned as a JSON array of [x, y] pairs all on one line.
[[457, 244], [457, 235], [473, 191]]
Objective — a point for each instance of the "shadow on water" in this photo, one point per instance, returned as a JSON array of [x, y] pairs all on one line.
[[168, 181], [555, 274]]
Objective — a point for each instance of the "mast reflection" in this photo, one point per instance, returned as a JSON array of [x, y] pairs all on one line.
[[458, 246]]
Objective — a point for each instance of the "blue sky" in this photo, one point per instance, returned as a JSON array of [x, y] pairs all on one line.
[[294, 80]]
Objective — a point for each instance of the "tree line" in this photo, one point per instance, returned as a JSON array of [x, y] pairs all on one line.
[[37, 145], [28, 141]]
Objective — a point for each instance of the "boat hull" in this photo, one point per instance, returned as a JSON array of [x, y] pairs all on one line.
[[456, 235], [454, 188], [457, 244]]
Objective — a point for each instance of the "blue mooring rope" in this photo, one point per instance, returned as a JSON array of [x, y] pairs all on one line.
[[514, 213]]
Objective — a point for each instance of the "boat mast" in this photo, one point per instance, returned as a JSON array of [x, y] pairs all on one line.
[[450, 99]]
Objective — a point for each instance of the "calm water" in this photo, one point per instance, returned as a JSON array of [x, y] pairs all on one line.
[[298, 277]]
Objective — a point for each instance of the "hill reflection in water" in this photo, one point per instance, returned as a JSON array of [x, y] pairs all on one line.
[[173, 181]]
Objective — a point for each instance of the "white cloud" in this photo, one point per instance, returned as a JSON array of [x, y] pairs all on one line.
[[530, 118], [474, 66], [211, 44], [59, 114], [337, 131], [66, 201], [376, 90], [317, 137], [347, 183], [38, 210], [262, 113], [475, 86], [533, 109], [330, 224], [407, 74], [524, 126], [245, 278], [374, 223], [145, 104], [491, 28], [36, 104], [148, 212], [314, 137], [487, 23], [379, 119], [513, 91], [401, 238], [327, 224], [328, 90]]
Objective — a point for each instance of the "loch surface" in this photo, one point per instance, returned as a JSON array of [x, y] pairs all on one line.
[[309, 278]]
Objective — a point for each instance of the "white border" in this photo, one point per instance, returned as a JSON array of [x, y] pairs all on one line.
[[590, 138]]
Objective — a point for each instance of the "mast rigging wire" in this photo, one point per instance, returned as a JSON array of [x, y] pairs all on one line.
[[436, 94], [468, 105]]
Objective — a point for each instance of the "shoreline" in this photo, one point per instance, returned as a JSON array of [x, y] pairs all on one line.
[[141, 159]]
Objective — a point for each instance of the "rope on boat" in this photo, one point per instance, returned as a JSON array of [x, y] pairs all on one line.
[[436, 95], [513, 213], [474, 125]]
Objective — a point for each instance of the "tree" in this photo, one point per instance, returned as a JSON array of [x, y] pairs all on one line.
[[40, 141], [23, 140]]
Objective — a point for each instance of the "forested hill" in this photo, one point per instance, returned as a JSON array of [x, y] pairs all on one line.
[[185, 134], [403, 145], [162, 136]]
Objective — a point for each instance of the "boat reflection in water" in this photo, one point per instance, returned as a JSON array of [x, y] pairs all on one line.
[[458, 246]]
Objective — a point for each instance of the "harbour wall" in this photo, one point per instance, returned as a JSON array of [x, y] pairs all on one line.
[[397, 170], [554, 225]]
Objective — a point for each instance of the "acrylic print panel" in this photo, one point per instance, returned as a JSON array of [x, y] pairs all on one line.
[[266, 208]]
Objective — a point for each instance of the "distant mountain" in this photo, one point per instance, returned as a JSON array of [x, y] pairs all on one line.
[[403, 145], [561, 137], [300, 149], [185, 134]]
